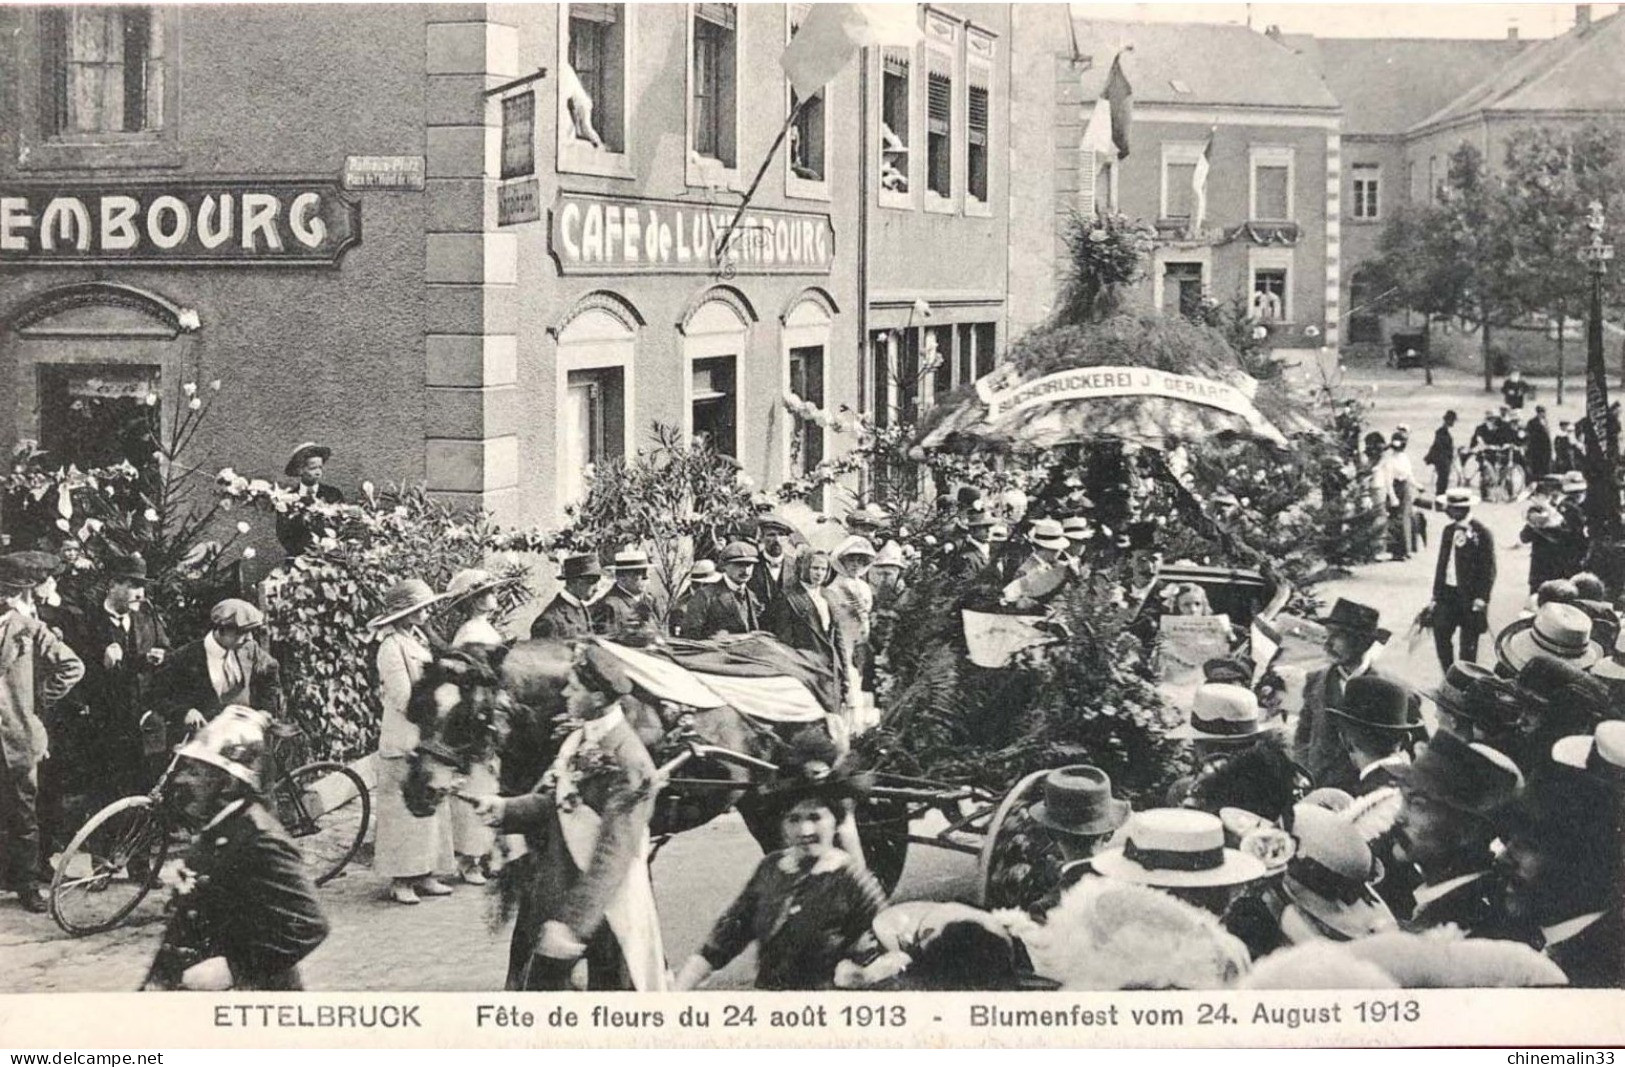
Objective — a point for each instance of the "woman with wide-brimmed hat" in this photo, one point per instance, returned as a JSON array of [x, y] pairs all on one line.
[[1182, 852], [852, 604], [808, 904], [410, 850]]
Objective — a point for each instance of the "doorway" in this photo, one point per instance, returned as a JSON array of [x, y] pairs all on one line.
[[1182, 288]]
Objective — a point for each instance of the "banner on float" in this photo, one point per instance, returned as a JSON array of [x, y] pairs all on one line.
[[1103, 383]]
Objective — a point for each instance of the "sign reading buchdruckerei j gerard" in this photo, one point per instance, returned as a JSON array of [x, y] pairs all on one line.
[[273, 222], [1096, 383], [629, 235]]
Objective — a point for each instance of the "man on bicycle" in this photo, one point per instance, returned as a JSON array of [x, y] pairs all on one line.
[[244, 913]]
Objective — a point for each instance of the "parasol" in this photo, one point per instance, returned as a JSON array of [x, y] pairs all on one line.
[[822, 532]]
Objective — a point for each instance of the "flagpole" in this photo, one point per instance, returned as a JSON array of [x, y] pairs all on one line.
[[761, 172]]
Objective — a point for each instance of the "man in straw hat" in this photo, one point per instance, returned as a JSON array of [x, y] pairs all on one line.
[[1455, 793], [728, 606], [226, 666], [1557, 631], [628, 606], [1352, 641], [1182, 852], [1463, 579], [243, 897], [307, 464], [35, 667], [568, 616], [591, 899]]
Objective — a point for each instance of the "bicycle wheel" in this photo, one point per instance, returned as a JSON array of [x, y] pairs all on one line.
[[324, 807], [1515, 480], [109, 866]]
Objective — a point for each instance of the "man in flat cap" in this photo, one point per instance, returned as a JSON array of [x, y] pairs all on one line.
[[776, 565], [589, 826], [35, 668], [225, 667], [296, 529], [728, 606], [568, 616]]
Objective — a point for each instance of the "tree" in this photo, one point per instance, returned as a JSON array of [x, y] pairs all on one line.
[[1106, 253]]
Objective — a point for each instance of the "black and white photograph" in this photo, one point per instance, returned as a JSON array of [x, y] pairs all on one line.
[[862, 499]]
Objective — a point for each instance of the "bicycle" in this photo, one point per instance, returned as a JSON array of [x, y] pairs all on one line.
[[1500, 474], [115, 859]]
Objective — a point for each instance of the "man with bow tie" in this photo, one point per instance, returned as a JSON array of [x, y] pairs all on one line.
[[295, 528], [226, 667], [728, 606], [1462, 581]]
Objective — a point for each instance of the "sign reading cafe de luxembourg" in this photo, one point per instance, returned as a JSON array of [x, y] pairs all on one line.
[[630, 235], [269, 222]]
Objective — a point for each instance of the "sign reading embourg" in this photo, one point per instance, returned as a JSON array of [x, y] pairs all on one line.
[[630, 235], [270, 222]]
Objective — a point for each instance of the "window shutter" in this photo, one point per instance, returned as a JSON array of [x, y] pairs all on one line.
[[606, 13], [976, 125], [940, 102], [716, 14], [895, 61]]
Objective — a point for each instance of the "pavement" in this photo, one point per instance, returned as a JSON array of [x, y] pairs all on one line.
[[451, 944]]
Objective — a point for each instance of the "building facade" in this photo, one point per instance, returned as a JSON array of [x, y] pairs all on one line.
[[481, 246]]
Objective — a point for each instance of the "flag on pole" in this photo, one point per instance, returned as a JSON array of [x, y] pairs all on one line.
[[1119, 95], [1097, 137], [1199, 184], [831, 35]]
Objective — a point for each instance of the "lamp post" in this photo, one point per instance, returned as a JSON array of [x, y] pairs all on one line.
[[1607, 543]]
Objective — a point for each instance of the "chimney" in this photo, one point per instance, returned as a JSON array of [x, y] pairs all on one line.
[[1582, 16], [1512, 33], [1273, 32]]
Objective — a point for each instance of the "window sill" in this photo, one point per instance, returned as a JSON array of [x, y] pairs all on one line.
[[938, 204], [980, 209], [136, 153], [896, 201], [580, 157], [798, 188], [703, 172], [1368, 219]]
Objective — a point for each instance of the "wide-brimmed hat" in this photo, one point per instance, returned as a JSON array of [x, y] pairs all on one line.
[[739, 552], [891, 555], [581, 565], [1353, 616], [233, 741], [470, 583], [1574, 482], [1078, 801], [14, 576], [855, 546], [998, 532], [1561, 631], [1047, 533], [1222, 711], [826, 779], [1076, 528], [772, 520], [870, 516], [1379, 704], [296, 459], [132, 568], [1451, 695], [234, 614], [1494, 706], [1176, 848], [402, 599], [630, 559], [1472, 778], [42, 565], [704, 572], [1600, 755], [1557, 688], [1330, 875]]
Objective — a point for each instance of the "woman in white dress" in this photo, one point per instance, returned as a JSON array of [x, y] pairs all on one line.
[[851, 605], [472, 595], [410, 850]]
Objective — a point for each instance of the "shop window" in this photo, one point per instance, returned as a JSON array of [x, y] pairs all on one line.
[[807, 442], [714, 113], [895, 106], [102, 70], [597, 41], [1367, 179], [713, 401], [1271, 184], [594, 419], [939, 124], [809, 137], [1269, 294]]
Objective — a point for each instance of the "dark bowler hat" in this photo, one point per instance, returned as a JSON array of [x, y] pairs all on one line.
[[1078, 801], [600, 671], [1459, 680], [1352, 615], [1473, 778], [14, 577], [126, 569], [581, 565], [1379, 704], [296, 461]]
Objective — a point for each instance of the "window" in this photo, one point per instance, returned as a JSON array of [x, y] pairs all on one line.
[[895, 99], [594, 426], [877, 396], [1269, 295], [1366, 180], [806, 436], [712, 402], [1182, 288], [1433, 177], [978, 120], [101, 71], [715, 338], [1271, 184], [713, 110], [939, 124], [598, 58], [938, 353], [806, 163], [975, 355], [1178, 173]]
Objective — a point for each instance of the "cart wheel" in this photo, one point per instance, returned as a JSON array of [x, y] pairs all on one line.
[[1018, 859], [883, 830]]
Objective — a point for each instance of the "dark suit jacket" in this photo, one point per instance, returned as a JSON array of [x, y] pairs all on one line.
[[794, 620], [117, 697], [184, 684], [714, 609], [1474, 906], [1539, 449], [623, 795], [618, 611], [1594, 958], [1316, 744], [251, 902], [1475, 560], [765, 588], [295, 530], [1442, 452], [562, 621]]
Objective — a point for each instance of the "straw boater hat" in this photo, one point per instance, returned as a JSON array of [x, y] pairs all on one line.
[[1047, 533], [1600, 755], [1078, 801], [468, 584], [1177, 848], [1458, 498], [1561, 631], [1221, 711], [1076, 528], [1574, 482], [402, 599], [1329, 881], [630, 559], [296, 461]]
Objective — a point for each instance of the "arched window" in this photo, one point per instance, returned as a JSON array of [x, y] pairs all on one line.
[[715, 338], [805, 342], [595, 350]]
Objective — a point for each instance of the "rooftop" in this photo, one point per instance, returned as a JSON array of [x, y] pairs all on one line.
[[1388, 85]]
